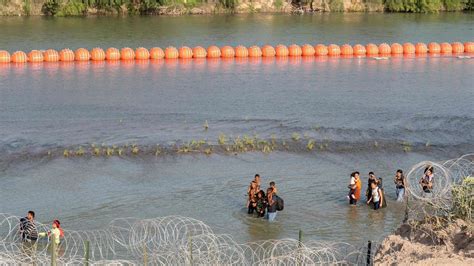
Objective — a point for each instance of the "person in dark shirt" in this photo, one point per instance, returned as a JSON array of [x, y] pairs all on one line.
[[261, 204], [271, 205], [28, 230]]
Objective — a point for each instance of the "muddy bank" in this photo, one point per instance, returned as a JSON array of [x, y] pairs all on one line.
[[430, 242]]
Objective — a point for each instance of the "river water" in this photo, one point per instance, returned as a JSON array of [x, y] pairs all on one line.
[[364, 114]]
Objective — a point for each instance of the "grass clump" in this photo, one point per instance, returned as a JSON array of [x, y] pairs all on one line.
[[463, 199]]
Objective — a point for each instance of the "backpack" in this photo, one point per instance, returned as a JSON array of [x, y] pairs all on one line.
[[280, 204]]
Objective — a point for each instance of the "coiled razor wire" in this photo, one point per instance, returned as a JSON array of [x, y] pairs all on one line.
[[178, 240]]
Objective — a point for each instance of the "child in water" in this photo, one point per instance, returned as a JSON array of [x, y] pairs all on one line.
[[272, 185], [56, 232], [376, 196]]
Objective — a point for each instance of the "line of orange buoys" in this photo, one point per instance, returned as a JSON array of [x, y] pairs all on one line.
[[184, 52]]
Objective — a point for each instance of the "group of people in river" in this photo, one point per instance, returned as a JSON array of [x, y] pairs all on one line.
[[375, 194], [264, 205]]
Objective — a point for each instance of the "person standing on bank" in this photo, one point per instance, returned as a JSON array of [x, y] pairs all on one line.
[[271, 205], [400, 183]]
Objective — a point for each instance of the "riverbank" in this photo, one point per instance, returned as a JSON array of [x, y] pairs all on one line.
[[196, 7], [422, 243]]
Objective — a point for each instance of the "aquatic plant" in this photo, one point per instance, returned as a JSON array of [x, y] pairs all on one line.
[[222, 139], [295, 136], [206, 126], [310, 145]]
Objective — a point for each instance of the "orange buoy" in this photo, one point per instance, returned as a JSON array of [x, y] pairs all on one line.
[[281, 50], [4, 56], [241, 51], [307, 50], [372, 49], [35, 56], [359, 50], [458, 48], [346, 49], [66, 55], [142, 53], [385, 49], [171, 52], [334, 50], [82, 54], [227, 52], [255, 51], [321, 50], [408, 48], [446, 48], [421, 48], [112, 54], [396, 48], [434, 48], [185, 52], [97, 54], [19, 57], [51, 55], [469, 47], [268, 51], [294, 50], [213, 51], [199, 52], [157, 53], [127, 53]]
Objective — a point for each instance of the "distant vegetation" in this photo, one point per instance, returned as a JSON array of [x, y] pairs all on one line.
[[179, 7]]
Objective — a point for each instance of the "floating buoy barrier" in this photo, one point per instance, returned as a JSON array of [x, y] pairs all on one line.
[[51, 55], [253, 53]]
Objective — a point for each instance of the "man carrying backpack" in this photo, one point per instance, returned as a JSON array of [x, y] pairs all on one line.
[[275, 204]]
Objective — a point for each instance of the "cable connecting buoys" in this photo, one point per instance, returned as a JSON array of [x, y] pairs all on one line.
[[51, 55], [227, 52], [458, 48], [127, 53], [255, 51], [307, 50], [281, 50], [372, 49], [434, 48], [185, 52], [4, 56], [396, 48], [294, 50], [446, 48], [213, 52], [66, 55], [35, 56], [421, 48], [268, 51], [321, 50], [334, 50], [97, 54], [469, 47], [157, 53], [385, 49], [241, 51], [359, 50], [142, 53], [112, 54]]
